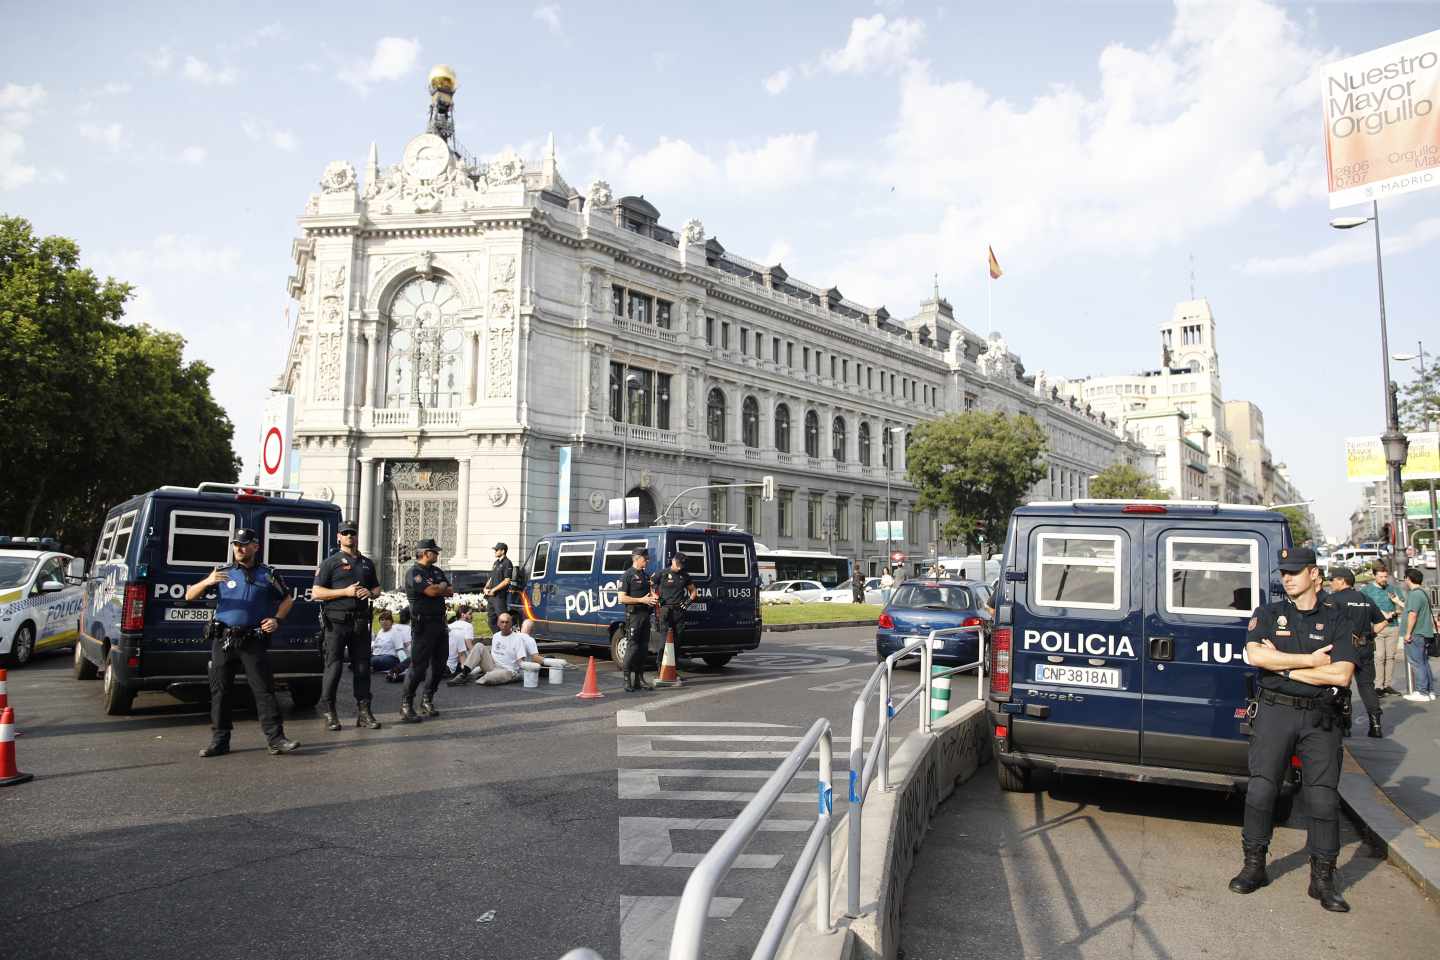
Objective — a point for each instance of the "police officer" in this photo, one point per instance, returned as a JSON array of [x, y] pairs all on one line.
[[676, 591], [344, 583], [252, 602], [427, 586], [1302, 648], [637, 593], [497, 587], [1364, 619]]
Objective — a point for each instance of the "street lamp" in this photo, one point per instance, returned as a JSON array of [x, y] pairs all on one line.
[[1395, 444], [1427, 403], [632, 379]]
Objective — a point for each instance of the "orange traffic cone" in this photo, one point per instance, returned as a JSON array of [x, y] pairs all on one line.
[[591, 690], [669, 674], [4, 694], [9, 773]]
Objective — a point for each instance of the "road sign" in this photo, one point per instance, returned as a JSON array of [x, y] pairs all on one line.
[[897, 557], [277, 434]]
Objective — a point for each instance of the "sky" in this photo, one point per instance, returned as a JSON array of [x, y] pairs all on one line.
[[1109, 152]]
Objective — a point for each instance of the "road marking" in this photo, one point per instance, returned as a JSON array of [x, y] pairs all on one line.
[[644, 746], [645, 841], [641, 783], [701, 694], [646, 923], [840, 686], [637, 718]]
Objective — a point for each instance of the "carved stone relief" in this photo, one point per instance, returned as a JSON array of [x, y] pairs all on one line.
[[599, 195], [496, 495], [693, 231], [327, 370], [597, 501], [502, 288], [597, 384], [499, 381], [339, 176]]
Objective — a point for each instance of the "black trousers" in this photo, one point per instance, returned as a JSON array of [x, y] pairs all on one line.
[[1279, 732], [493, 610], [344, 640], [667, 619], [637, 627], [1365, 677], [253, 655], [429, 649]]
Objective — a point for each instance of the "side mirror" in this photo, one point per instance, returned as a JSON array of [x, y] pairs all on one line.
[[76, 571], [51, 586]]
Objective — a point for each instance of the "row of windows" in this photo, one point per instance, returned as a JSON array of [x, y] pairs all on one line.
[[818, 524], [577, 558], [639, 396], [640, 307], [715, 418], [201, 538]]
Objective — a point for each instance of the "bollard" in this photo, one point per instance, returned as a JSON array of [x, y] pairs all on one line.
[[939, 693]]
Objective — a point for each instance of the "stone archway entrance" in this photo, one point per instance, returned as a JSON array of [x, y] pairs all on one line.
[[421, 500], [647, 506]]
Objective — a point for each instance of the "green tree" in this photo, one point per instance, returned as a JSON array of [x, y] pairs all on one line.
[[1299, 524], [92, 410], [1120, 481], [1420, 399], [973, 468]]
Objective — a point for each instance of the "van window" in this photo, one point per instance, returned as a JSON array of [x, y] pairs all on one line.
[[577, 557], [734, 560], [120, 546], [199, 539], [694, 551], [102, 549], [1212, 576], [542, 557], [617, 555], [1078, 570], [293, 543]]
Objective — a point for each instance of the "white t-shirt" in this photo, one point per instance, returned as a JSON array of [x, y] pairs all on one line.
[[509, 651], [390, 642], [460, 631]]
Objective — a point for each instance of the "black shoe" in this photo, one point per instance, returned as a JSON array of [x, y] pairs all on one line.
[[459, 680], [1375, 730], [330, 715], [1322, 886], [1252, 875], [218, 748], [364, 718], [427, 707], [407, 712], [1381, 692], [1392, 692], [283, 746]]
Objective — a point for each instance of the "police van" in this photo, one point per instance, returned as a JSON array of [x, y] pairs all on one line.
[[137, 629], [572, 584], [40, 597], [1119, 646]]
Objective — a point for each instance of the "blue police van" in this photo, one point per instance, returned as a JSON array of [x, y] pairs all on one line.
[[572, 582], [136, 628], [1119, 645]]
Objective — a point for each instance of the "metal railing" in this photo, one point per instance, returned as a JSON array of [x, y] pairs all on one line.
[[694, 908]]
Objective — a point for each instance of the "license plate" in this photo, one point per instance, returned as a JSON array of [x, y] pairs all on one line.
[[1108, 677], [187, 614]]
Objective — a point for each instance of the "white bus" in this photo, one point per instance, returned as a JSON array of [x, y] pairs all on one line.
[[776, 565]]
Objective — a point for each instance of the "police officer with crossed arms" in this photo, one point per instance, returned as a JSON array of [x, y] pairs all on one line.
[[426, 586], [637, 593], [1306, 660], [344, 583], [252, 601]]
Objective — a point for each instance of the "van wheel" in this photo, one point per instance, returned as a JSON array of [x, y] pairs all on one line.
[[22, 648], [117, 697], [619, 645], [84, 669], [717, 660], [304, 693], [1012, 779]]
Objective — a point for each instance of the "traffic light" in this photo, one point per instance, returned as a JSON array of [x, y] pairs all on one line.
[[767, 488]]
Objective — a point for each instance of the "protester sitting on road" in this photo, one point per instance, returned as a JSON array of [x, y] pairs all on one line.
[[389, 648], [462, 638], [500, 662]]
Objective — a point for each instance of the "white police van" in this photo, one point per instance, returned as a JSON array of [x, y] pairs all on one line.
[[40, 596], [1119, 646], [136, 625], [572, 581]]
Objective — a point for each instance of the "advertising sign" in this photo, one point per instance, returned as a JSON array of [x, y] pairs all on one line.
[[563, 488], [1382, 125], [1417, 505], [896, 530], [277, 435], [1422, 462], [1365, 458], [624, 511]]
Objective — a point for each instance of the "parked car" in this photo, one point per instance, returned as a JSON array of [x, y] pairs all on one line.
[[845, 592], [919, 606], [40, 597], [793, 591]]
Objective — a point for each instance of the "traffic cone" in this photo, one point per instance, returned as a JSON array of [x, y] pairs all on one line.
[[669, 675], [591, 690], [4, 695], [9, 774]]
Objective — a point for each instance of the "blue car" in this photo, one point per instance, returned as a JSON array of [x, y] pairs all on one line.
[[919, 606]]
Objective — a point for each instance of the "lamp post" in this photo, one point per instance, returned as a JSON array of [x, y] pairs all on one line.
[[1426, 402], [1395, 444]]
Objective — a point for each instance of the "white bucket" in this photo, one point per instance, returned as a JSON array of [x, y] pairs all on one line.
[[557, 669], [531, 672]]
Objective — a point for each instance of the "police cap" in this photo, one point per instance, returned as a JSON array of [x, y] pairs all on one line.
[[424, 545], [349, 526], [1342, 573], [244, 535], [1295, 559]]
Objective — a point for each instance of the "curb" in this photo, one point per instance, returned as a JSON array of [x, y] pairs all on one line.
[[820, 625], [1403, 842]]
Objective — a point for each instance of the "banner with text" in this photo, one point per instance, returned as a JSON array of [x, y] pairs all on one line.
[[1365, 459], [1382, 128]]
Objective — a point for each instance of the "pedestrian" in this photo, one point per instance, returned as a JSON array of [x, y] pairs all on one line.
[[426, 586], [637, 593], [388, 651], [461, 636], [1363, 618], [497, 586], [344, 583], [1305, 661], [1417, 630], [857, 588], [676, 592], [1389, 651], [252, 601]]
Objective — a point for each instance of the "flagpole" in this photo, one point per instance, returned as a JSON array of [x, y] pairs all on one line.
[[989, 302]]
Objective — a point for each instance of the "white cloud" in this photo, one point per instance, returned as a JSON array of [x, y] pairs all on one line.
[[193, 156], [160, 60], [206, 75], [262, 131], [393, 58], [875, 43], [111, 135], [549, 14], [670, 166], [1357, 247], [780, 162], [284, 140], [779, 250], [114, 88], [675, 165], [19, 97], [13, 173], [776, 83]]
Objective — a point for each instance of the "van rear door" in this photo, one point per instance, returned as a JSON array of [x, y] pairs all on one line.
[[1077, 630], [191, 539]]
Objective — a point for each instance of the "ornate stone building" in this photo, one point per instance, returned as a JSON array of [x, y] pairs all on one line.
[[462, 324]]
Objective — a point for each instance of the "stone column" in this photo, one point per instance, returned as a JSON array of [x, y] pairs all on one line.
[[367, 507], [462, 512], [767, 421], [366, 386]]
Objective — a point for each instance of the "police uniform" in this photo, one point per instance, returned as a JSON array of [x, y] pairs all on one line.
[[674, 587], [429, 636], [1299, 719], [500, 602], [245, 598], [636, 583], [1361, 615], [345, 625]]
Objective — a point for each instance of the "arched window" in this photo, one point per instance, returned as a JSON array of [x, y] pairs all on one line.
[[750, 422], [837, 439], [887, 448], [812, 434], [423, 345], [864, 444], [715, 415], [782, 428]]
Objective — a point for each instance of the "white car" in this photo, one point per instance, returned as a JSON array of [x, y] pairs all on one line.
[[793, 591], [40, 598], [844, 594]]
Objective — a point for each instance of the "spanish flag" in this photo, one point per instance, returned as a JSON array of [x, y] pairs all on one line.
[[995, 271]]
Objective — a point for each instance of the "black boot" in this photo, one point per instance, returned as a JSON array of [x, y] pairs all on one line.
[[1252, 876], [330, 715], [364, 718], [1322, 886], [1375, 730], [282, 745], [407, 712], [630, 682], [219, 746], [427, 707]]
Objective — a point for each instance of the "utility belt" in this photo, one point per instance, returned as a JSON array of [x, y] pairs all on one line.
[[231, 638], [346, 616], [1286, 700], [1331, 706]]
